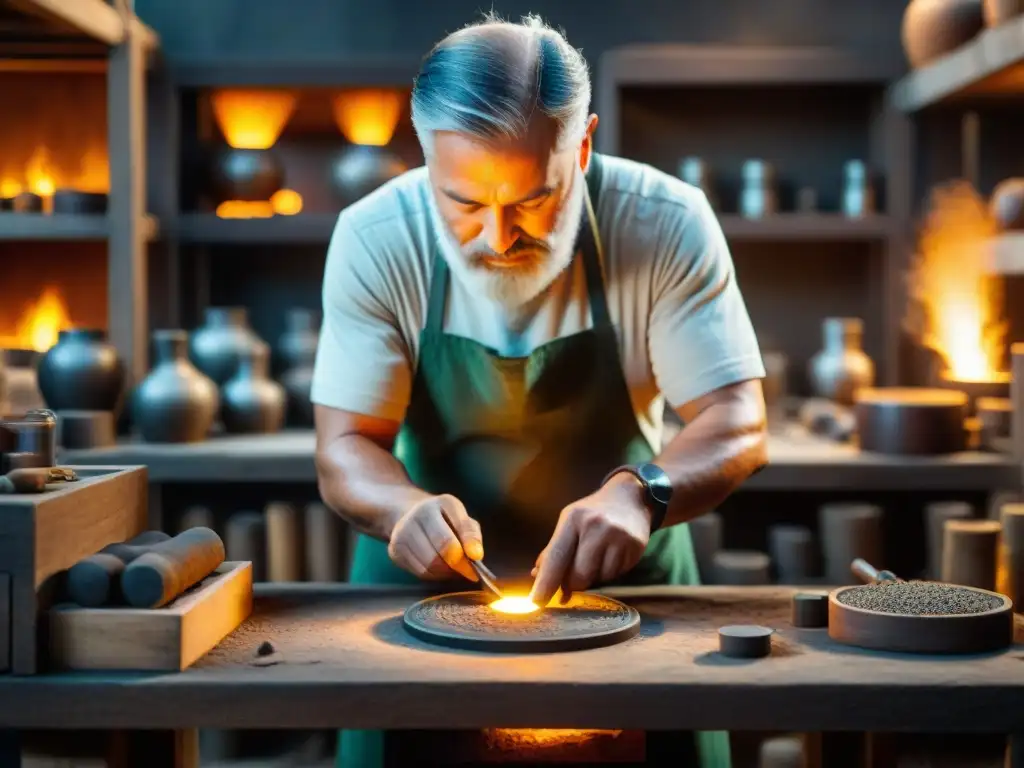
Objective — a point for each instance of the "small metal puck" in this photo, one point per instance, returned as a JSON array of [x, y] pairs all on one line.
[[809, 610], [745, 641]]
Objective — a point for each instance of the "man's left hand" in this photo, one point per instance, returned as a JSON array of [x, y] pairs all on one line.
[[597, 539]]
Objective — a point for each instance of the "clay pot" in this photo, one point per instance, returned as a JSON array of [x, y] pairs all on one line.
[[82, 372], [932, 28], [1007, 204], [297, 346], [998, 11], [253, 403], [221, 343], [775, 385], [298, 382], [841, 367], [245, 174], [175, 403], [358, 170], [23, 393]]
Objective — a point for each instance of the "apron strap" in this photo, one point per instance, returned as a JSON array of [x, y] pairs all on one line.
[[587, 243]]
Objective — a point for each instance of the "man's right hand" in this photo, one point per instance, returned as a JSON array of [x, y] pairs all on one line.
[[434, 539]]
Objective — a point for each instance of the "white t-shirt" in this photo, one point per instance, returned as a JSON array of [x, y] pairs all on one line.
[[682, 324]]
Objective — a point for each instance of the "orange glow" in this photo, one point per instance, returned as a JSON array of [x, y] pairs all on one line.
[[286, 202], [42, 175], [39, 324], [514, 604], [957, 309], [368, 116], [518, 739], [252, 119]]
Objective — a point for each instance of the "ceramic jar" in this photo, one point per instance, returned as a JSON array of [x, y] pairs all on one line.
[[758, 197], [222, 342], [858, 193], [1007, 205], [775, 385], [23, 393], [253, 402], [841, 367], [932, 28], [175, 403], [297, 345], [82, 372], [358, 170], [245, 174], [997, 12]]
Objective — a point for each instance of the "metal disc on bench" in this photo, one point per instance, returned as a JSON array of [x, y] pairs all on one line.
[[467, 620], [920, 617]]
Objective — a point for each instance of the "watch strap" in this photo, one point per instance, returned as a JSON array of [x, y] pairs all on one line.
[[657, 509]]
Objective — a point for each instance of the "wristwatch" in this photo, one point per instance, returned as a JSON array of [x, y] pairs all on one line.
[[657, 489]]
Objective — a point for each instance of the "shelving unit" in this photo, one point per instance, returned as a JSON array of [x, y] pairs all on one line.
[[93, 35], [990, 67], [806, 110]]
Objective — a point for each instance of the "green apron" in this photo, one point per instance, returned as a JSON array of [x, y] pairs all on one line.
[[516, 440]]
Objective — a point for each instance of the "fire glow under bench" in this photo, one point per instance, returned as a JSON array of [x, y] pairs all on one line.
[[343, 659]]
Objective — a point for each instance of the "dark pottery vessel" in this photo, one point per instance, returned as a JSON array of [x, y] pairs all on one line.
[[1007, 204], [253, 402], [175, 403], [75, 201], [297, 345], [245, 174], [359, 169], [297, 384], [999, 11], [997, 386], [932, 28], [82, 372], [223, 340], [27, 202], [841, 367], [23, 393]]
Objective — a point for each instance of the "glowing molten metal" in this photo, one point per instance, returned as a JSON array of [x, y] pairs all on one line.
[[514, 604]]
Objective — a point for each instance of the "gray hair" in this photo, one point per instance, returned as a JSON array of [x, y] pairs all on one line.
[[489, 79]]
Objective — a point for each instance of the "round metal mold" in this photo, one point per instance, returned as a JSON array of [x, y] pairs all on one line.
[[953, 633], [465, 620]]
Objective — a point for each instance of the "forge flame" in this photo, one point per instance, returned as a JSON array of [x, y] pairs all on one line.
[[956, 308], [40, 323]]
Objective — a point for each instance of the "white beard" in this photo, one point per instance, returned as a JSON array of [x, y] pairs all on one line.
[[513, 287]]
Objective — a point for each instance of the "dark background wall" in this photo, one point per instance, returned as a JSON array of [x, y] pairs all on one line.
[[318, 29]]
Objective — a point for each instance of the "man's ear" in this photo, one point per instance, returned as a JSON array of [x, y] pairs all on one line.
[[587, 146]]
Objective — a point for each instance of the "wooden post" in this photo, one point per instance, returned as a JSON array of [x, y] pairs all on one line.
[[126, 249], [1017, 401]]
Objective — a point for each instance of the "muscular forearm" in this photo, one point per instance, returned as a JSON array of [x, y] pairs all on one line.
[[710, 458], [365, 484]]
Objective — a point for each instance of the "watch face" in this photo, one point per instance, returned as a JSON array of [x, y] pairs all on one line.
[[657, 482]]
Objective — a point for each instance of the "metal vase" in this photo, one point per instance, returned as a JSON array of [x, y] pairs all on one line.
[[245, 174]]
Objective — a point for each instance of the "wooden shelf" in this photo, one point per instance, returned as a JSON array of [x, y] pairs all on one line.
[[806, 227], [95, 20], [365, 71], [316, 228], [798, 461], [62, 226], [210, 229], [990, 66], [706, 65]]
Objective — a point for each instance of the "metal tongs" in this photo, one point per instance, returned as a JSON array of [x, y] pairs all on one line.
[[867, 573], [486, 577]]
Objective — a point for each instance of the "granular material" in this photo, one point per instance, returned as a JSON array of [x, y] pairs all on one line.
[[919, 598]]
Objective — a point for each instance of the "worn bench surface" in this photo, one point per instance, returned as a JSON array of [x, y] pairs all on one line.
[[342, 658]]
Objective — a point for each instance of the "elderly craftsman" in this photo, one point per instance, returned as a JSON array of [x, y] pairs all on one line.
[[502, 329]]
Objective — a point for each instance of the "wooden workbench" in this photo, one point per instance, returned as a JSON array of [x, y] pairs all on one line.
[[798, 461], [343, 659]]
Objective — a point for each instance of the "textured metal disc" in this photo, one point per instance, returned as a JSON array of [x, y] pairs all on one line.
[[465, 620]]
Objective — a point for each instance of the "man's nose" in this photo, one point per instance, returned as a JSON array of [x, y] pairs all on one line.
[[501, 229]]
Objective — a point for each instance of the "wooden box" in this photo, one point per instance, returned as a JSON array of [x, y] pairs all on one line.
[[167, 639], [44, 534]]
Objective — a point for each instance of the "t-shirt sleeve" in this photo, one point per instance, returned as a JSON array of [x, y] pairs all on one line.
[[700, 336], [362, 362]]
